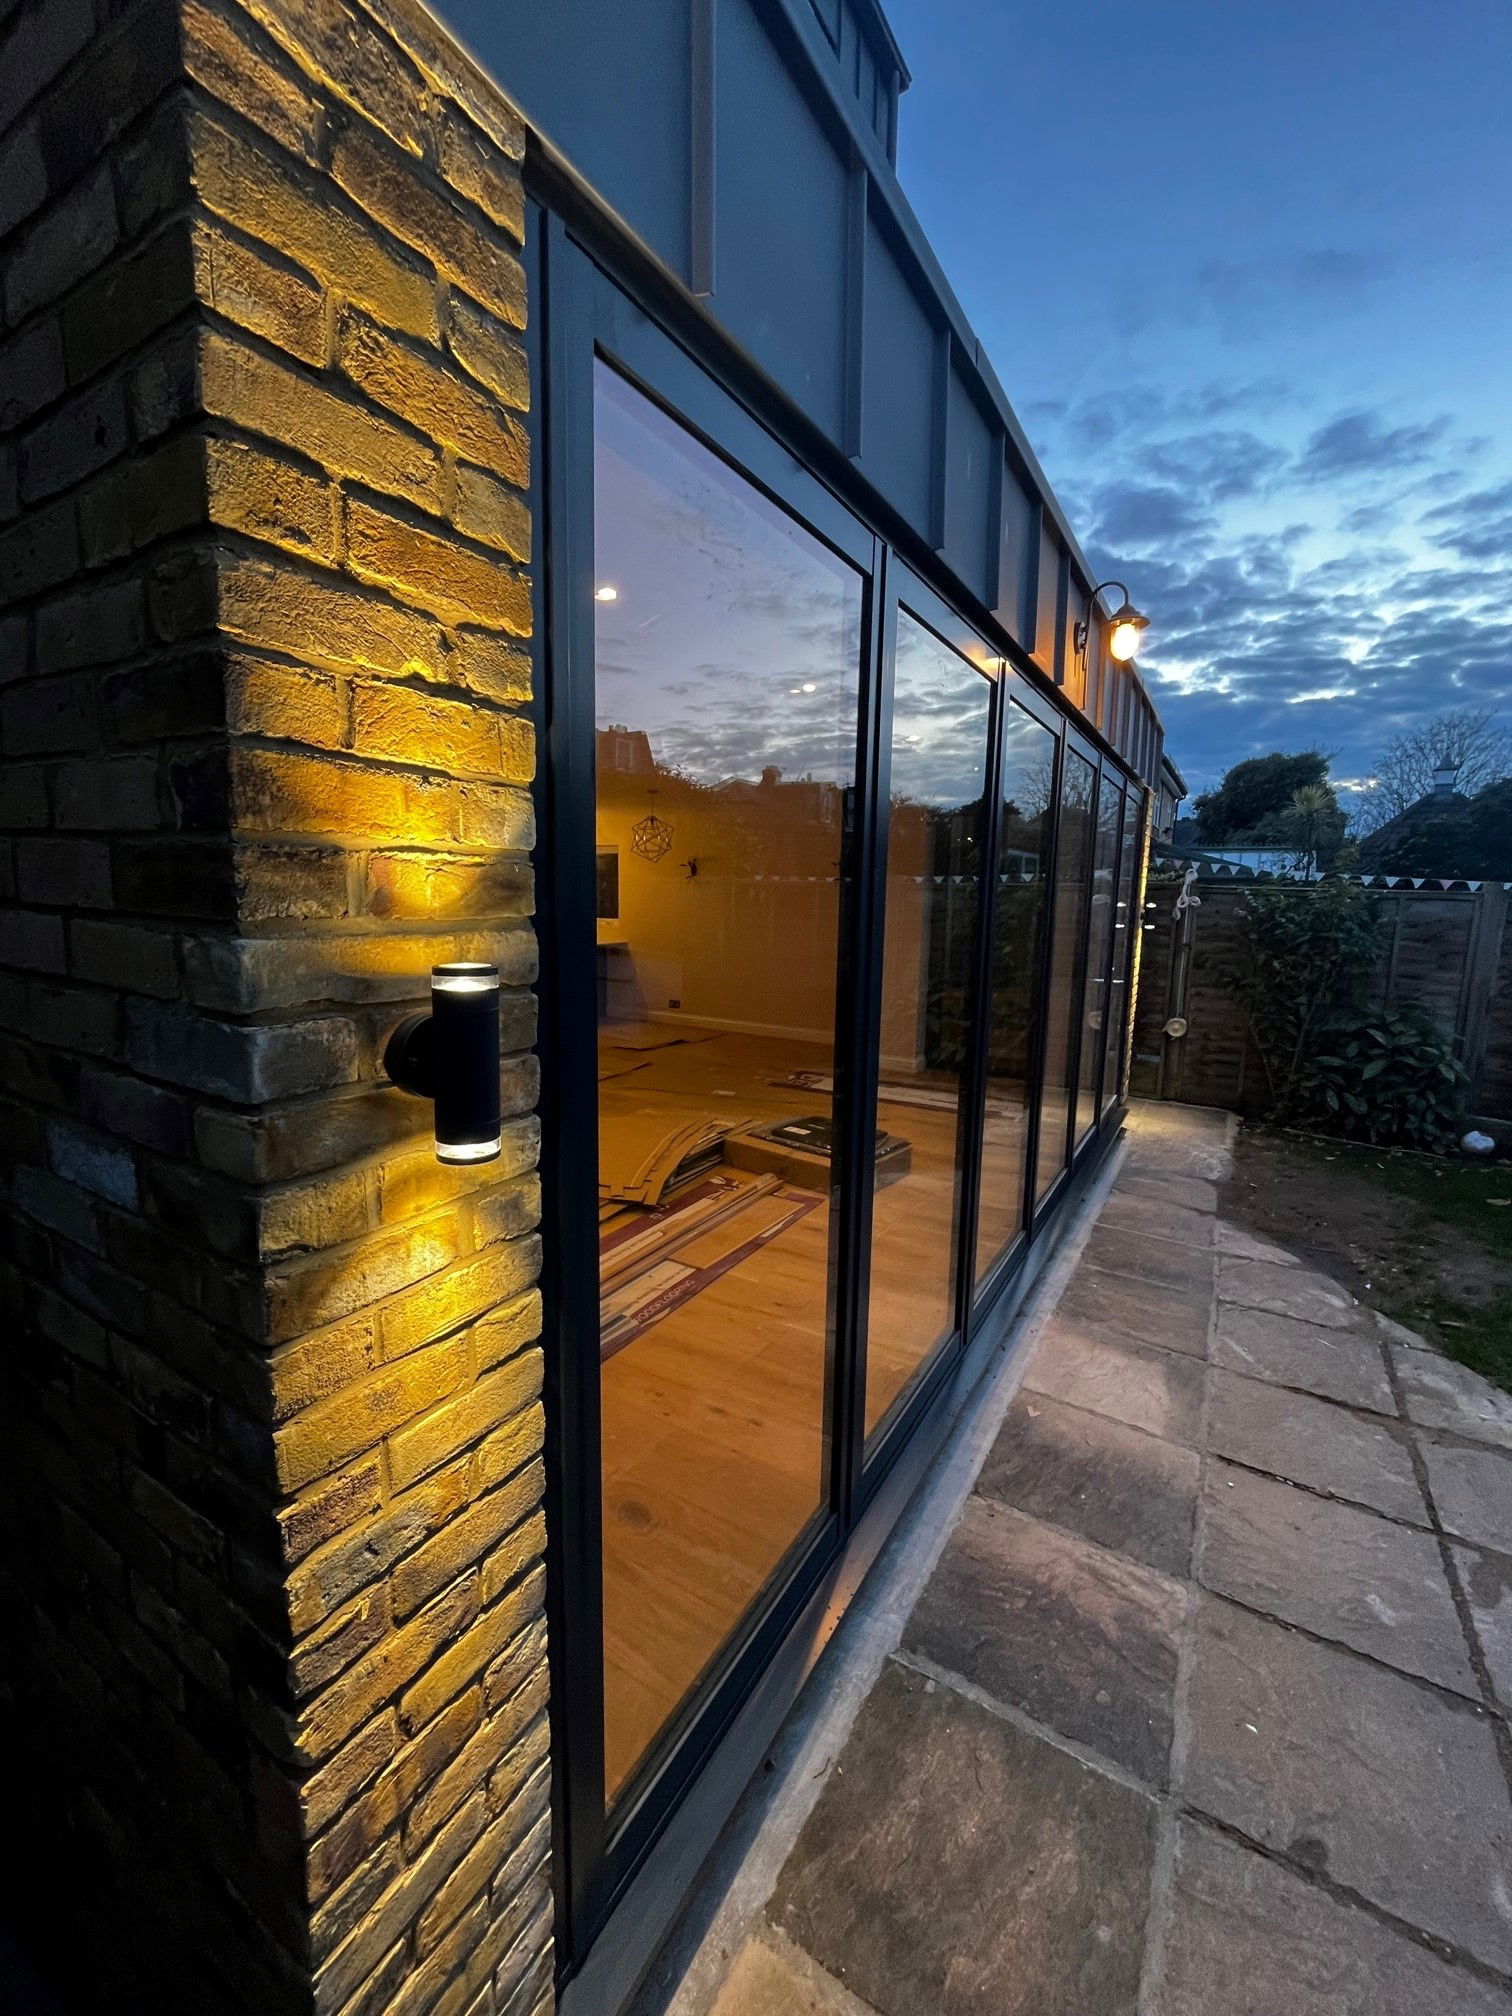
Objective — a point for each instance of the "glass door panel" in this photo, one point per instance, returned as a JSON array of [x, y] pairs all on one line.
[[1023, 867], [1124, 926], [727, 675], [1067, 936], [1095, 1015], [941, 706]]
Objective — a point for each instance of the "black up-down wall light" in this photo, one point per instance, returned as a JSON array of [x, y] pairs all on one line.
[[452, 1056]]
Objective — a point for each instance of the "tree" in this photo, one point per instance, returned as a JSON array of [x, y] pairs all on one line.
[[1254, 797], [1469, 740], [1315, 826], [1456, 839]]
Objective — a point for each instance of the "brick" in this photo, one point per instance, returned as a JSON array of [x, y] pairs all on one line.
[[180, 695], [493, 666], [235, 68], [436, 1800], [58, 1205], [39, 552], [489, 511], [94, 625], [276, 1145], [317, 1367], [70, 239], [327, 1791], [92, 1162], [489, 351], [182, 595], [40, 42], [381, 1673], [31, 372], [404, 726], [481, 1865], [323, 1513], [419, 387], [478, 170], [244, 974], [73, 442], [345, 1637], [455, 888], [108, 794], [173, 878], [423, 1444], [239, 283], [246, 1065], [269, 498], [128, 302], [360, 1557], [328, 1435], [362, 69], [301, 1295], [313, 617], [280, 207], [469, 1292], [23, 801], [446, 578], [23, 177], [64, 873], [504, 1332], [48, 716], [468, 1652], [143, 499], [123, 1105], [117, 78], [163, 388], [461, 1544], [390, 190], [77, 1018], [275, 400], [152, 170], [131, 957]]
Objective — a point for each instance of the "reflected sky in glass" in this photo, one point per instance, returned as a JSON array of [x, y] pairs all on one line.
[[733, 636]]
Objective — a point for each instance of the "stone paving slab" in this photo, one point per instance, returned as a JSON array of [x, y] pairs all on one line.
[[1134, 1383], [1165, 1263], [1247, 1938], [1126, 1490], [1333, 1363], [1386, 1786], [1288, 1291], [956, 1866], [1074, 1636], [1329, 1449], [1440, 1394], [1242, 1245], [773, 1977], [1472, 1489], [1114, 1306], [1335, 1570], [1157, 1218], [1187, 1193], [1487, 1582]]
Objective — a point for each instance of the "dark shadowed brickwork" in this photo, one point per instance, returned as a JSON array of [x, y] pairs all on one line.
[[274, 1667]]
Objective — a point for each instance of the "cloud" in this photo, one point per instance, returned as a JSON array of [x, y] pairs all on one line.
[[1362, 444], [1477, 526]]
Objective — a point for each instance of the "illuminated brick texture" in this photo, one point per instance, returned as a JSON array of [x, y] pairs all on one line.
[[271, 1555]]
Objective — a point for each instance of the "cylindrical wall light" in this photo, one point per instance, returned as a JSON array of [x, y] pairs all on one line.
[[452, 1057]]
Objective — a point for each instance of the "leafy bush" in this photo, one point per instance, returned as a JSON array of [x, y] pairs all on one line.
[[1389, 1078], [1332, 1062]]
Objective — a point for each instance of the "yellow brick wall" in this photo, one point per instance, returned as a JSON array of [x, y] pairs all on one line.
[[315, 782]]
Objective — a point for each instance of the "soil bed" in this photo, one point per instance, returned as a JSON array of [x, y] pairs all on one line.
[[1423, 1238]]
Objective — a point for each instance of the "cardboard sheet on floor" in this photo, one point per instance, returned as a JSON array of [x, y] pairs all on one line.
[[648, 1035], [638, 1235], [620, 1063], [649, 1149]]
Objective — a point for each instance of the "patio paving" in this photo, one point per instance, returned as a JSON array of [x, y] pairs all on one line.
[[1204, 1705]]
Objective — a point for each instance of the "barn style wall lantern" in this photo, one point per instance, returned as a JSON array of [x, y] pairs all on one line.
[[1124, 625], [452, 1057]]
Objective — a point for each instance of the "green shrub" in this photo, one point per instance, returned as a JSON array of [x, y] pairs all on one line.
[[1389, 1078]]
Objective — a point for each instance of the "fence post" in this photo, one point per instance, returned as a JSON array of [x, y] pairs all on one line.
[[1481, 964]]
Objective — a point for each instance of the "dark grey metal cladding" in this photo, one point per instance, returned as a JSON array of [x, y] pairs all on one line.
[[747, 144]]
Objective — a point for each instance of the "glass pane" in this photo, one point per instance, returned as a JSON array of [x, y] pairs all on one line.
[[1067, 936], [1124, 925], [1099, 952], [939, 761], [727, 678], [1022, 868]]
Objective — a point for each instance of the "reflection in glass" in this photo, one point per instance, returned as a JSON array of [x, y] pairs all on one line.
[[1022, 868], [1095, 1013], [726, 687], [1067, 935], [1125, 929], [939, 758]]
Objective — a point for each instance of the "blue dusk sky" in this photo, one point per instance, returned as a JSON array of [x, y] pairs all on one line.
[[1245, 270]]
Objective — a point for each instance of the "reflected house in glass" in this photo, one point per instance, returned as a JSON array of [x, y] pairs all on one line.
[[760, 676]]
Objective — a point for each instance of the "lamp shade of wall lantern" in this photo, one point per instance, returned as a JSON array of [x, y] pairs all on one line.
[[451, 1056], [1124, 626]]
